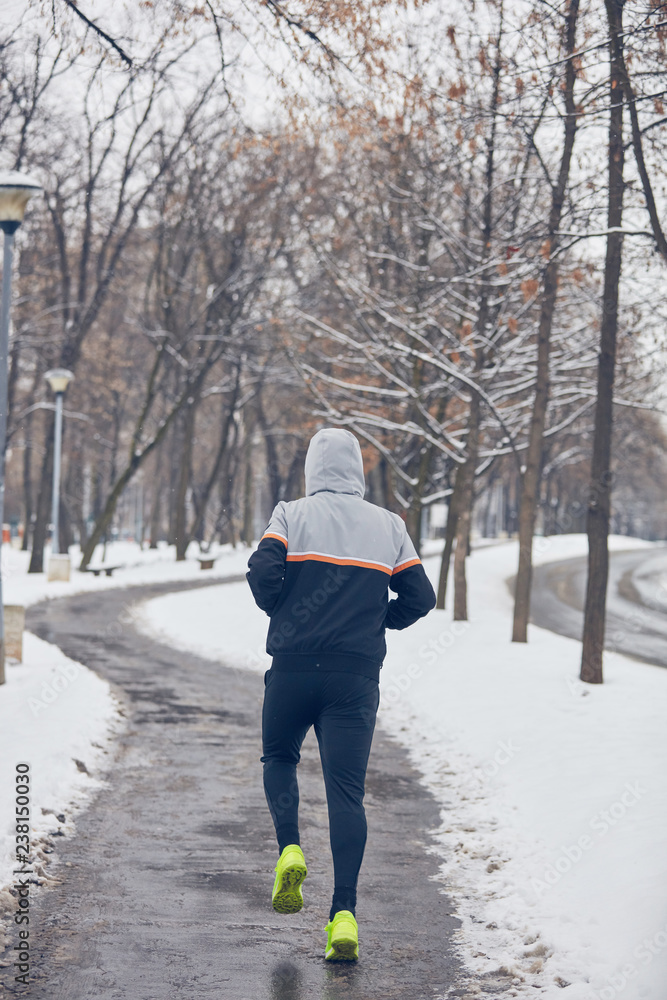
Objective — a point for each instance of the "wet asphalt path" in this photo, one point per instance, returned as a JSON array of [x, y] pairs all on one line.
[[166, 886], [636, 602]]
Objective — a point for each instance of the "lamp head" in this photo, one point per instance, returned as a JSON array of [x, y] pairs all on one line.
[[59, 378], [16, 190]]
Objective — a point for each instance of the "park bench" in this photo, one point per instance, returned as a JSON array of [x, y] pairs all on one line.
[[96, 570], [206, 562]]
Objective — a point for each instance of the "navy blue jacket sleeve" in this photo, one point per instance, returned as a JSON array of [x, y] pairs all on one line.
[[266, 566], [416, 596]]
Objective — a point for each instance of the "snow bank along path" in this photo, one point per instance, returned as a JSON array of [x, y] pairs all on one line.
[[552, 792]]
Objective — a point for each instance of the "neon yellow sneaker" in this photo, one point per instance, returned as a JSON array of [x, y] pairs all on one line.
[[342, 938], [290, 872]]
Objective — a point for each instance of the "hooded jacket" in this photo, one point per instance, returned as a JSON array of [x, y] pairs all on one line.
[[324, 565]]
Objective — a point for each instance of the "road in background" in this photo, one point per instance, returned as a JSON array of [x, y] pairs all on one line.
[[636, 601]]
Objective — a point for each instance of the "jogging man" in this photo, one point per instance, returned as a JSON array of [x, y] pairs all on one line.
[[321, 572]]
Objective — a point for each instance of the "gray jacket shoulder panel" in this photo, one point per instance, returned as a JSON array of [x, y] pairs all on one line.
[[342, 526]]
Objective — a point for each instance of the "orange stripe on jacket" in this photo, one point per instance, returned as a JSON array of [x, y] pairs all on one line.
[[271, 534], [314, 557], [405, 565]]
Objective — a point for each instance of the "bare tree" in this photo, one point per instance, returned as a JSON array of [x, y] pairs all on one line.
[[125, 151], [531, 473], [599, 500]]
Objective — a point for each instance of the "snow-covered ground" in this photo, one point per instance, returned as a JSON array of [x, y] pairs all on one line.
[[137, 566], [54, 712], [554, 807], [59, 718]]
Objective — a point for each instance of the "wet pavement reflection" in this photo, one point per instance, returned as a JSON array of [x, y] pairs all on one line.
[[286, 982]]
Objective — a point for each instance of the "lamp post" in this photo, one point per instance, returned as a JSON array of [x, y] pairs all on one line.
[[16, 190], [58, 379]]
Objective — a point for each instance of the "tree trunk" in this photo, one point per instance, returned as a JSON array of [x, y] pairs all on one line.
[[156, 506], [172, 481], [530, 480], [472, 443], [43, 502], [374, 480], [294, 484], [225, 525], [248, 491], [196, 531], [460, 583], [27, 483], [225, 528], [66, 535], [450, 535], [82, 528], [104, 521], [599, 500], [136, 460], [272, 463], [182, 537], [155, 515], [467, 473], [414, 517]]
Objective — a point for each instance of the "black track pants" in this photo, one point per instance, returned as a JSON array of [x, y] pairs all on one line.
[[342, 708]]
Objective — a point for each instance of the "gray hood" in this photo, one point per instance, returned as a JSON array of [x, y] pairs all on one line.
[[334, 463]]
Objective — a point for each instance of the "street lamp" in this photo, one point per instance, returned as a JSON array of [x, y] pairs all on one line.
[[58, 379], [16, 190]]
